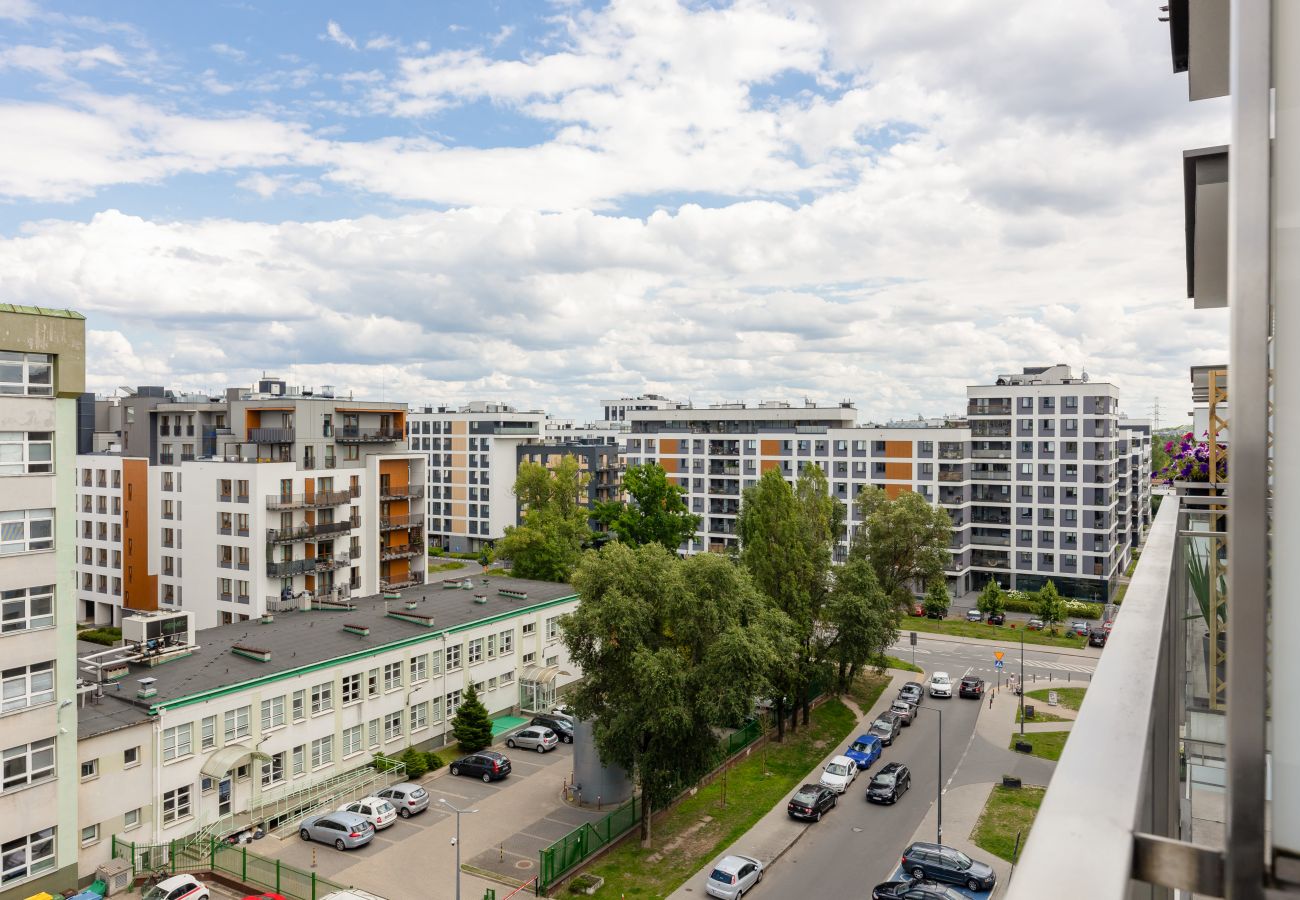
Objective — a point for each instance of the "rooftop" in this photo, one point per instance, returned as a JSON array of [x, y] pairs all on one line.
[[40, 311], [108, 714]]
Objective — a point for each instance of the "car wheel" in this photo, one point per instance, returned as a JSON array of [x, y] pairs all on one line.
[[404, 813], [339, 845], [760, 876], [511, 743], [817, 816], [487, 779], [918, 872], [972, 885], [834, 802], [305, 834], [541, 749], [455, 770], [568, 739]]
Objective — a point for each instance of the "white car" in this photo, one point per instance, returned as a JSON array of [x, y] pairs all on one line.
[[940, 685], [732, 876], [839, 774], [181, 887], [378, 812]]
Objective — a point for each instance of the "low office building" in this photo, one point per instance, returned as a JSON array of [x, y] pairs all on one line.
[[258, 722]]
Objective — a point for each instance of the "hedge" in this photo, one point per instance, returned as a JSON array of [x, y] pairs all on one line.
[[1020, 601]]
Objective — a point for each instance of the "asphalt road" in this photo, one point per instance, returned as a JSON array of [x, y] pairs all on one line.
[[978, 659]]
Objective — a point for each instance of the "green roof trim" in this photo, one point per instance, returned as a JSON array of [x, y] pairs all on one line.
[[40, 311]]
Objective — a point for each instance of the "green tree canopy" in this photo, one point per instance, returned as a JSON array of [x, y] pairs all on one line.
[[861, 622], [669, 649], [548, 542], [936, 599], [906, 540], [472, 725], [992, 600], [1051, 609], [657, 513]]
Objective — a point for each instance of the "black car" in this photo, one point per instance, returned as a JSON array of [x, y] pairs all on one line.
[[940, 863], [810, 801], [562, 726], [891, 782], [1097, 637], [913, 889], [886, 727], [971, 686], [486, 764], [997, 619], [912, 692]]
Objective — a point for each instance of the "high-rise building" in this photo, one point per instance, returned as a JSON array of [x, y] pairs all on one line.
[[42, 374]]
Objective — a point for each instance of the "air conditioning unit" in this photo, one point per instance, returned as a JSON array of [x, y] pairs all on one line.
[[116, 873]]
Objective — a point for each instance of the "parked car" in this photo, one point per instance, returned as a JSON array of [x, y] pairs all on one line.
[[378, 812], [561, 725], [839, 773], [1097, 637], [912, 889], [940, 685], [268, 895], [810, 801], [408, 798], [178, 887], [936, 614], [732, 876], [918, 610], [1034, 625], [1079, 628], [890, 783], [971, 686], [486, 764], [941, 863], [974, 615], [997, 618], [904, 710], [534, 737], [886, 728], [345, 830], [1108, 626], [864, 750], [912, 692]]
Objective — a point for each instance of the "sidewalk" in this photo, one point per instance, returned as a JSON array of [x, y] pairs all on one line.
[[1005, 637], [775, 833]]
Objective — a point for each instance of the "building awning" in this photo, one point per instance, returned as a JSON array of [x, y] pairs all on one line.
[[227, 758], [539, 674]]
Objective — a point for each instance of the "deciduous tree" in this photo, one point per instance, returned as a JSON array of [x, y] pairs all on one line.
[[548, 542], [936, 599], [992, 600], [860, 622], [657, 513], [1051, 609], [906, 540]]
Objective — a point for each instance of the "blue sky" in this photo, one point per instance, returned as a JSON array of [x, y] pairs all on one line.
[[551, 203]]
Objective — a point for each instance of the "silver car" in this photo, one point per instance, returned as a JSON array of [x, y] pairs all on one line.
[[732, 876], [906, 711], [345, 830], [534, 737], [408, 798]]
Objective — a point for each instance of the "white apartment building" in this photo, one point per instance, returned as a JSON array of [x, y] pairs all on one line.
[[472, 458], [617, 410], [261, 723], [100, 571], [42, 373], [1133, 465]]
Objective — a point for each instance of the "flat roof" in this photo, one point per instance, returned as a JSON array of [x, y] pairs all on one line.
[[107, 714], [298, 640], [40, 311]]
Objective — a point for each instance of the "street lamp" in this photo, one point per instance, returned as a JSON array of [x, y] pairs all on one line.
[[939, 787], [456, 840], [1022, 684]]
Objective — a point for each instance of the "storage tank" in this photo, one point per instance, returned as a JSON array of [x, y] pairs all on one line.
[[592, 778]]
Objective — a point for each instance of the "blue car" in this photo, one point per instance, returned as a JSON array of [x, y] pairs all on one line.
[[864, 750]]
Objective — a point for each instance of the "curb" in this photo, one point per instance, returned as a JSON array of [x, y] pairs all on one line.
[[1038, 648]]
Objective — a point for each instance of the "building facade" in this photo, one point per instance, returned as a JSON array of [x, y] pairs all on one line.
[[42, 374]]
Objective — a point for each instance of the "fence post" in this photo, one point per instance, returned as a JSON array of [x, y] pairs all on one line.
[[244, 866], [171, 854], [313, 886], [277, 876], [133, 860], [212, 854]]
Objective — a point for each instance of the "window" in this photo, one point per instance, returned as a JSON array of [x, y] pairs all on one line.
[[552, 660], [419, 669], [393, 726], [27, 856], [25, 609], [26, 530], [372, 683], [475, 651], [28, 764], [208, 733], [273, 769], [90, 835], [272, 713], [352, 738], [299, 705], [26, 452], [28, 686], [552, 628], [491, 646], [530, 628], [299, 756], [322, 698], [507, 641], [26, 374], [236, 723], [419, 717], [453, 703], [131, 819], [176, 804], [529, 657], [506, 678], [351, 688], [89, 769], [322, 751], [435, 709], [130, 757], [373, 732], [393, 676], [453, 657]]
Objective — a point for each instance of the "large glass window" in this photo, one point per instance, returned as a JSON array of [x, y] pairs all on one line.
[[27, 856], [27, 686], [322, 698], [27, 764], [236, 723], [393, 676], [26, 530], [24, 609], [322, 751], [26, 452], [352, 688], [272, 713], [176, 804], [26, 374]]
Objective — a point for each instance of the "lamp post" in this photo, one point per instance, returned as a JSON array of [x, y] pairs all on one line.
[[458, 812], [939, 787], [1022, 684]]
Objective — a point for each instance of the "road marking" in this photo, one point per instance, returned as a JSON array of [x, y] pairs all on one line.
[[968, 671]]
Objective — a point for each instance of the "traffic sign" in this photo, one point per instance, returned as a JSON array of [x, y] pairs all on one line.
[[997, 664], [997, 654], [913, 638]]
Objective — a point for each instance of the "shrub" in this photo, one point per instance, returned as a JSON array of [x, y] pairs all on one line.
[[1019, 601], [383, 763], [433, 762], [107, 635], [472, 725], [415, 762]]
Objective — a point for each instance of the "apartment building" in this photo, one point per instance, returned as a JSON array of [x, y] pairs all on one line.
[[616, 410], [113, 571], [1133, 464], [598, 458], [263, 722], [471, 454], [42, 374]]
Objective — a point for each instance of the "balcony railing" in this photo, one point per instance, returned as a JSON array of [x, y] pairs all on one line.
[[306, 566], [353, 435], [305, 532], [989, 475], [991, 454], [270, 435], [405, 492], [412, 578], [402, 551], [988, 409], [951, 476], [317, 500], [391, 523]]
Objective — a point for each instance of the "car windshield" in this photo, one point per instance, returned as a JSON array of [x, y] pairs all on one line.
[[961, 859], [884, 779], [806, 796], [902, 707], [861, 747], [941, 679], [155, 893], [884, 724], [724, 877], [837, 769]]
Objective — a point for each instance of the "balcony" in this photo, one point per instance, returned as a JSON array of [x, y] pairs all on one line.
[[951, 476], [991, 540], [306, 566], [991, 454], [405, 492], [305, 532], [720, 468], [951, 454], [270, 435], [317, 500], [402, 551], [993, 408], [989, 561], [990, 430], [989, 475], [354, 435], [392, 523], [412, 578]]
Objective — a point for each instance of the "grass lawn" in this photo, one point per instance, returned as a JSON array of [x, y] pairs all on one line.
[[1042, 715], [1047, 744], [445, 567], [893, 662], [1008, 811], [1000, 634], [1070, 698], [1119, 594], [683, 841]]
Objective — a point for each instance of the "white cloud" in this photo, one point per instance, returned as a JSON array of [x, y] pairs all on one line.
[[229, 52], [18, 10], [57, 63], [334, 32], [502, 35]]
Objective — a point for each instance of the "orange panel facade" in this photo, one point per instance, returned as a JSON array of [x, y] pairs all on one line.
[[770, 448], [898, 471], [139, 588], [770, 464], [669, 464], [893, 491], [670, 445], [898, 449]]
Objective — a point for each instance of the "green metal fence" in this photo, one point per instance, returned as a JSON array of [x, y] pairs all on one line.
[[739, 740], [585, 840], [233, 861]]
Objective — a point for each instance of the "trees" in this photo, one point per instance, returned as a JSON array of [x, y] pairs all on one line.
[[1051, 609], [992, 600], [472, 725], [669, 649], [936, 599], [657, 513], [906, 540], [548, 542], [861, 621]]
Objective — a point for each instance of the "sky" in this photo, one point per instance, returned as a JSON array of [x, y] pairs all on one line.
[[557, 203]]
